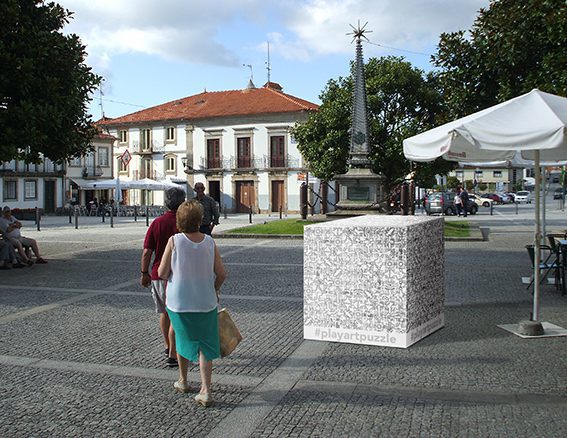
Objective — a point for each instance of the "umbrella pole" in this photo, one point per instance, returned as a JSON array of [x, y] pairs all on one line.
[[537, 239]]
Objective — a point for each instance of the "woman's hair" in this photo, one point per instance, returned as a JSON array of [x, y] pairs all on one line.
[[189, 216]]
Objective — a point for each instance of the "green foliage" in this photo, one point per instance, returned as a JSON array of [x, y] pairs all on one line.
[[469, 184], [514, 47], [402, 101], [482, 186], [457, 229], [284, 226], [453, 182], [44, 84]]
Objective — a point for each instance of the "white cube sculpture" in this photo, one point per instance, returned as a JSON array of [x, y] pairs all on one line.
[[375, 280]]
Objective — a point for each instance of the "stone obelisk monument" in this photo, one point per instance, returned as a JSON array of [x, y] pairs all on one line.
[[360, 188]]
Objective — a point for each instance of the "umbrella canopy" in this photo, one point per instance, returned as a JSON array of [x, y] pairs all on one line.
[[104, 184], [533, 124], [533, 121], [152, 184]]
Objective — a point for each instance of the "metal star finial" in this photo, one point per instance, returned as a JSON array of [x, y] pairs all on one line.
[[358, 32]]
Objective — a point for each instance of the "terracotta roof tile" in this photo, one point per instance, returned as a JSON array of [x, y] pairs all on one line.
[[212, 104]]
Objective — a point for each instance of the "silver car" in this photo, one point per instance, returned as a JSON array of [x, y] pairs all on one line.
[[523, 196]]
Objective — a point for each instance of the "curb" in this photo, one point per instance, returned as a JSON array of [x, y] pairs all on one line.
[[257, 236]]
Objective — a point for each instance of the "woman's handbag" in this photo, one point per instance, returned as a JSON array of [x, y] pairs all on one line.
[[229, 334]]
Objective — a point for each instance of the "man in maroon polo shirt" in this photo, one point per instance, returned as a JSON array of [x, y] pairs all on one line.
[[155, 242]]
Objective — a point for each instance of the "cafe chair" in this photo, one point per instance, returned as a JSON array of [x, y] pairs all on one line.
[[549, 262]]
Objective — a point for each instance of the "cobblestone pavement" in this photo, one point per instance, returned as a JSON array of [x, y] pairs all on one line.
[[81, 353]]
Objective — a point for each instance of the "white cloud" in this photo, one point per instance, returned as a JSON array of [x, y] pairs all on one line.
[[319, 26], [300, 30]]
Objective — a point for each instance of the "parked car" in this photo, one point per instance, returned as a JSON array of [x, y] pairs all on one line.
[[558, 193], [512, 196], [523, 196], [505, 198], [492, 196], [444, 203], [484, 202]]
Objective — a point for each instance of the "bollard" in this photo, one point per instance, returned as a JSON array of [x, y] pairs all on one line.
[[135, 213], [103, 211], [76, 217], [224, 210], [405, 199], [111, 217], [70, 215], [37, 218], [147, 217], [303, 200], [491, 208], [250, 217], [281, 208]]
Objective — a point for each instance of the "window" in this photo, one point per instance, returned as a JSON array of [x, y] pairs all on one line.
[[146, 139], [213, 153], [277, 151], [10, 190], [30, 189], [497, 174], [170, 163], [103, 156], [147, 168], [123, 135], [243, 152], [459, 174], [122, 168], [170, 134], [75, 162], [478, 173]]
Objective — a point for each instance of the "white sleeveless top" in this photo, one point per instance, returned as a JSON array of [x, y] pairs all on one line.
[[191, 284]]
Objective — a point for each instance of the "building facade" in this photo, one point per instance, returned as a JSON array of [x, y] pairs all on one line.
[[236, 142]]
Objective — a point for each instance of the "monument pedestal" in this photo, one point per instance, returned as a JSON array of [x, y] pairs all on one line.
[[359, 193], [375, 280]]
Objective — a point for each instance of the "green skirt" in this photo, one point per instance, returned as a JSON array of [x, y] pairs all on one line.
[[194, 332]]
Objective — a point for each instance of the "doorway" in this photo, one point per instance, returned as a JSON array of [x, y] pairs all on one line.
[[245, 195], [49, 196], [278, 195], [214, 191]]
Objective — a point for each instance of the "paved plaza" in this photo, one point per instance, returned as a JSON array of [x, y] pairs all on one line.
[[81, 352]]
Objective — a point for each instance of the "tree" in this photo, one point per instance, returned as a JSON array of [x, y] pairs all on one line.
[[514, 47], [402, 102], [44, 84], [453, 182]]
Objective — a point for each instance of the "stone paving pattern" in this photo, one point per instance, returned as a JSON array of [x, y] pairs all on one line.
[[90, 362]]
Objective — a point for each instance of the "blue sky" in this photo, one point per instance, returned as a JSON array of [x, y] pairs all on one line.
[[150, 52]]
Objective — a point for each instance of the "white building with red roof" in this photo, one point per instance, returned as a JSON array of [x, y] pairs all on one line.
[[236, 142]]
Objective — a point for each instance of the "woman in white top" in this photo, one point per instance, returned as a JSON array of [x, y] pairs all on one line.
[[194, 271]]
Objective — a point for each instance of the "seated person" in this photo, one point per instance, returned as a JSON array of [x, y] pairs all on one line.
[[8, 258], [10, 227]]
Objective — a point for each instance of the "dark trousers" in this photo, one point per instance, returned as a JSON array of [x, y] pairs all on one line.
[[205, 229]]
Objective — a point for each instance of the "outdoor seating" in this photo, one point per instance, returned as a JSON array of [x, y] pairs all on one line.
[[549, 262]]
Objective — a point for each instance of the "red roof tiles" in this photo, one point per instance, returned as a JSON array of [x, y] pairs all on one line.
[[212, 104]]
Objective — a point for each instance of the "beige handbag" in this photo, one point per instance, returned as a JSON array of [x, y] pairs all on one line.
[[229, 334]]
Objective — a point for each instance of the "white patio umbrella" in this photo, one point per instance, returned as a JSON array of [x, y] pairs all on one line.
[[152, 184], [105, 184], [534, 124]]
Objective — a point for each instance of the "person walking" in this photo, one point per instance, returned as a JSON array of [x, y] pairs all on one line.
[[194, 271], [155, 242], [210, 209], [464, 200], [459, 202]]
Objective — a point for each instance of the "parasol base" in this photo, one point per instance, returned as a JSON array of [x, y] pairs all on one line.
[[530, 328]]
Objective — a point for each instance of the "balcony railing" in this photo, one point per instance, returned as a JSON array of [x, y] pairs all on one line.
[[240, 163], [91, 171], [144, 148]]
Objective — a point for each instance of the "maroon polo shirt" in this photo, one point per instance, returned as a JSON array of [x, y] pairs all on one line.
[[157, 236]]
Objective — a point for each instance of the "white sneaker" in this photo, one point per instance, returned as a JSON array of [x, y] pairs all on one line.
[[204, 399], [181, 386]]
